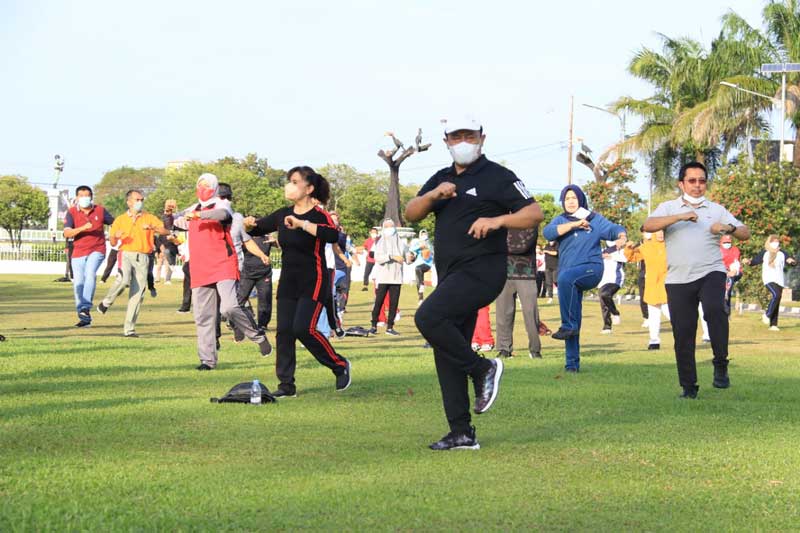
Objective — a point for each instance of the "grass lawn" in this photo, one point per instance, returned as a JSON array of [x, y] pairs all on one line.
[[103, 433]]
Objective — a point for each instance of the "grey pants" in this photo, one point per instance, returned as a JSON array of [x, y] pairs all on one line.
[[205, 300], [134, 273], [505, 309]]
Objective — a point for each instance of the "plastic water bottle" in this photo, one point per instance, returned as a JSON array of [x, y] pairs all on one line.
[[255, 393]]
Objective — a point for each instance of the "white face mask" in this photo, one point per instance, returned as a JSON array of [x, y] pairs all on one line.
[[465, 153], [423, 237], [85, 202], [581, 213], [388, 232], [727, 245], [693, 200], [774, 245]]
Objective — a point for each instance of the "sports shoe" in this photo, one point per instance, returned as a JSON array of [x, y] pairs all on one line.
[[774, 328], [153, 292], [654, 346], [101, 308], [616, 320], [535, 355], [204, 367], [373, 330], [646, 323], [392, 332], [265, 347], [487, 386], [487, 347], [563, 334], [505, 354], [689, 393], [721, 379], [281, 393], [606, 331], [475, 346], [457, 441], [182, 310], [339, 332], [549, 300], [765, 319], [343, 379], [132, 335], [83, 324], [168, 282], [364, 288], [571, 370]]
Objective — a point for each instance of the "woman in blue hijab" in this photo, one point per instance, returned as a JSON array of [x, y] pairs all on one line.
[[580, 268]]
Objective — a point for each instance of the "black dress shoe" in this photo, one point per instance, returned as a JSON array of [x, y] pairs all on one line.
[[721, 379], [283, 393], [690, 393], [653, 346], [487, 386], [205, 367], [563, 334], [457, 441]]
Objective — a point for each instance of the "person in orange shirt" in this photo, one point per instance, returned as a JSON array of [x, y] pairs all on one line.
[[133, 230], [653, 252]]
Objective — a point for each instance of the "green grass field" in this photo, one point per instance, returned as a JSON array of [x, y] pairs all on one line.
[[103, 433]]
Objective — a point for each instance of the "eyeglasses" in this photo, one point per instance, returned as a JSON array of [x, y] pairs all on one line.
[[695, 181]]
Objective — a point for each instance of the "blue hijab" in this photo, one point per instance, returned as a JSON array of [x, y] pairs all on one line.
[[582, 202]]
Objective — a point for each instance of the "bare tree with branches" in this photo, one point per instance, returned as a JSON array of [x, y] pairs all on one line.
[[394, 158]]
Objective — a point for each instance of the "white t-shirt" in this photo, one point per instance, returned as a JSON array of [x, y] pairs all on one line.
[[774, 274], [613, 269]]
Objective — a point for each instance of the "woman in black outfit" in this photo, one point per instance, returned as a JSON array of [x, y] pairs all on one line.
[[303, 229]]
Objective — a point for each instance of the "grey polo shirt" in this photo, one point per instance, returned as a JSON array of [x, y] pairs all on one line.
[[692, 250]]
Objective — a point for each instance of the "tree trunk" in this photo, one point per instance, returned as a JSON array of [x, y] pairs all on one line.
[[796, 150], [700, 156], [393, 200]]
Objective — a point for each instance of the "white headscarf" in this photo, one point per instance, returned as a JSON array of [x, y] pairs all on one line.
[[213, 183]]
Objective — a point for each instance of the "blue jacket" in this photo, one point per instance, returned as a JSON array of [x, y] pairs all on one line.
[[580, 247]]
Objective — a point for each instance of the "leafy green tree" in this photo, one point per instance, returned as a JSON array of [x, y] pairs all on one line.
[[115, 183], [764, 196], [21, 206], [613, 198], [363, 205]]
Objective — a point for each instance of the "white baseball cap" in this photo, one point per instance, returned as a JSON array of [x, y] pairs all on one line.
[[466, 122]]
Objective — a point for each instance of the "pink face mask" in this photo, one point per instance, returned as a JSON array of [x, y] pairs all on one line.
[[204, 194]]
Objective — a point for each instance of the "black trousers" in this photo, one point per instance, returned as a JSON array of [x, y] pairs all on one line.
[[263, 286], [683, 300], [774, 307], [367, 271], [187, 288], [447, 318], [419, 271], [330, 304], [642, 304], [607, 305], [550, 277], [297, 320], [394, 300], [111, 260], [151, 262], [541, 290]]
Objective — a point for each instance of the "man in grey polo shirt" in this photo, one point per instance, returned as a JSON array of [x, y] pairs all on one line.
[[695, 272]]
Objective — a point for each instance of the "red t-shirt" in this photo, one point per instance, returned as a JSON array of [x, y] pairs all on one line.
[[93, 240], [212, 252], [368, 244], [729, 256]]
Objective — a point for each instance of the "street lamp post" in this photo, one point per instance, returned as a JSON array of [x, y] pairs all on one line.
[[775, 102], [620, 117], [783, 68]]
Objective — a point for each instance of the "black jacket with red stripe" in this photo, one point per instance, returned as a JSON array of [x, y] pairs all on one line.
[[303, 269]]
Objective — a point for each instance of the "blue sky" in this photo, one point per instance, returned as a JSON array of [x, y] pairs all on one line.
[[108, 83]]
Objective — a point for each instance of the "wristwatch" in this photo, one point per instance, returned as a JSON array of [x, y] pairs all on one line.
[[731, 230]]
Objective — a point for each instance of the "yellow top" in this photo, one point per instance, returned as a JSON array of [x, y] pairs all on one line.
[[134, 237], [654, 254]]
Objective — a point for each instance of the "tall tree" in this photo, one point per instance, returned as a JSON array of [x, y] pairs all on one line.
[[394, 157], [21, 206]]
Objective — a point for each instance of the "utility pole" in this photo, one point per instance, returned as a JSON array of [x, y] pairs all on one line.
[[783, 68], [569, 143]]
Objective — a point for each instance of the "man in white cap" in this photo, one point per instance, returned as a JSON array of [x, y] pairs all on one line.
[[475, 201]]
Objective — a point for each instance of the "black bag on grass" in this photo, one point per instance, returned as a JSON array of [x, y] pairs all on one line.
[[241, 394], [356, 331]]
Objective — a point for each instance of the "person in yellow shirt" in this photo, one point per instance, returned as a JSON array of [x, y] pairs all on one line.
[[653, 252], [133, 231]]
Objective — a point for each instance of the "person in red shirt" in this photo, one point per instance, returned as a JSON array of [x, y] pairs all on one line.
[[731, 259], [84, 225], [214, 271], [368, 244]]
